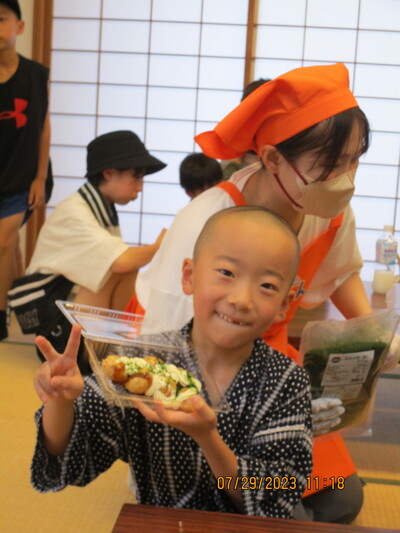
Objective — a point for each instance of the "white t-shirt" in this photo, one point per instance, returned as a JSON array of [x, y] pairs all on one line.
[[159, 288], [77, 244]]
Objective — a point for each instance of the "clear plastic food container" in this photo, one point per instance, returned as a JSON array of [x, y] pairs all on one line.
[[129, 364]]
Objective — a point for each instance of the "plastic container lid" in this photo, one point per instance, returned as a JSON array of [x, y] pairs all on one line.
[[107, 332]]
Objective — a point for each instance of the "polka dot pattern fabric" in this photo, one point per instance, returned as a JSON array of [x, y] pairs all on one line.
[[268, 428]]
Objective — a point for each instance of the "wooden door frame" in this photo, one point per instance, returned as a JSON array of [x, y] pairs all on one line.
[[41, 52]]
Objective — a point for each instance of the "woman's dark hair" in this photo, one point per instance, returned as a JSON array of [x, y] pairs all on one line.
[[199, 172], [252, 86], [328, 139]]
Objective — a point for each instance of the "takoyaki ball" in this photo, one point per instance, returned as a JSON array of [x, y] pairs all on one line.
[[139, 383], [152, 360], [114, 369]]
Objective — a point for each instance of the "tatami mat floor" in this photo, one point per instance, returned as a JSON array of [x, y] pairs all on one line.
[[96, 507]]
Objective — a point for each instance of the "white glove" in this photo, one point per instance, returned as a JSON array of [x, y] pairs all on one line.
[[325, 414], [393, 355]]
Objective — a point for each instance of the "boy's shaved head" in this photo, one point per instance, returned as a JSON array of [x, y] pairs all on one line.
[[259, 215]]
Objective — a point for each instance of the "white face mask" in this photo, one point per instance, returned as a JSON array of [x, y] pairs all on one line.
[[325, 199]]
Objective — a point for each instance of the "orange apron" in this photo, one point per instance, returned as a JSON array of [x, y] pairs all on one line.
[[330, 456]]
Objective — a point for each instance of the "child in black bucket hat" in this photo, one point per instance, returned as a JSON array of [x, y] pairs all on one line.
[[81, 244], [81, 239]]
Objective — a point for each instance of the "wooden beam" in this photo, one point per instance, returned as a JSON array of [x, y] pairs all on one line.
[[250, 41], [41, 52]]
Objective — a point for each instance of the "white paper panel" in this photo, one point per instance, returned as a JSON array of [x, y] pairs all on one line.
[[378, 47], [177, 10], [377, 80], [129, 224], [373, 213], [126, 9], [279, 41], [124, 68], [64, 187], [68, 161], [77, 8], [164, 199], [214, 105], [376, 180], [64, 66], [231, 12], [223, 41], [330, 45], [74, 98], [288, 12], [169, 135], [121, 36], [169, 38], [380, 14], [106, 124], [122, 101], [173, 71], [171, 103], [271, 68], [216, 73], [337, 14], [384, 149], [74, 130], [383, 114], [152, 226], [76, 34]]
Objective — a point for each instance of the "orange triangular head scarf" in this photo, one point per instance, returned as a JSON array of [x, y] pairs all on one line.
[[280, 109]]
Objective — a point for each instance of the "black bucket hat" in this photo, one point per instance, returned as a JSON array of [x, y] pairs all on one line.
[[13, 5], [120, 150]]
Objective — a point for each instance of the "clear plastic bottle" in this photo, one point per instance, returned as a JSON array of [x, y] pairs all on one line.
[[386, 248], [386, 260]]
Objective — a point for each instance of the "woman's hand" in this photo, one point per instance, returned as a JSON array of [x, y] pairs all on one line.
[[59, 378], [198, 424]]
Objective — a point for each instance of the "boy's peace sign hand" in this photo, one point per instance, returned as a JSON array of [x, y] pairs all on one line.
[[59, 377], [197, 424]]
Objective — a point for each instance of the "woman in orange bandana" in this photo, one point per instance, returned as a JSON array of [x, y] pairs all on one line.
[[309, 133]]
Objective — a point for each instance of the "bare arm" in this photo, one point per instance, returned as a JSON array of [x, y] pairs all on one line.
[[36, 193], [136, 257], [351, 299]]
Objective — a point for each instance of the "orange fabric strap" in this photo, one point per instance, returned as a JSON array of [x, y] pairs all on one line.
[[233, 192]]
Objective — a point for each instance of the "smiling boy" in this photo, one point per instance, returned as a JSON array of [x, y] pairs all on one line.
[[243, 265]]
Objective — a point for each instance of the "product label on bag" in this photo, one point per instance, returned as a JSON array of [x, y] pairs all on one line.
[[345, 373]]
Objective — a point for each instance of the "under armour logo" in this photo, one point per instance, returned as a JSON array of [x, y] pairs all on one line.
[[20, 118]]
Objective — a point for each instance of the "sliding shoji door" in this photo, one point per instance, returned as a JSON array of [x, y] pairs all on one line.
[[365, 35], [166, 69]]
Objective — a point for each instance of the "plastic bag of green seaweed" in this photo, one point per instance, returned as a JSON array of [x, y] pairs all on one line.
[[343, 359]]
